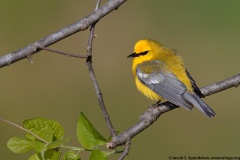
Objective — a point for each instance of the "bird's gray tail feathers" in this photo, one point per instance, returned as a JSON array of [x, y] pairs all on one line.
[[197, 102]]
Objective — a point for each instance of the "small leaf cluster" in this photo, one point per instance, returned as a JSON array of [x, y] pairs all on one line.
[[45, 137]]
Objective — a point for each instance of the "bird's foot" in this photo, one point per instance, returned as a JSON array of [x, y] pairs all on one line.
[[155, 105]]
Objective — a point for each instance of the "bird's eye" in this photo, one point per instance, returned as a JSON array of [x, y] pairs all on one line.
[[143, 53]]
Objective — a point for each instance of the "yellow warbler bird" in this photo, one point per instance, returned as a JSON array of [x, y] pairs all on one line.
[[160, 75]]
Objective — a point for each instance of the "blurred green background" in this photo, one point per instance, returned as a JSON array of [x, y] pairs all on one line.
[[205, 33]]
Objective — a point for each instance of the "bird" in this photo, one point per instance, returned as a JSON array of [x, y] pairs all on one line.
[[160, 75]]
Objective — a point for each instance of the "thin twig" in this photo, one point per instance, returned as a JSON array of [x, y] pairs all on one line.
[[153, 113], [64, 53], [94, 79], [97, 5], [39, 138], [126, 150], [81, 25]]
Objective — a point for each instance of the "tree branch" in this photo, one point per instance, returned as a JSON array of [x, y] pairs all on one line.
[[222, 85], [81, 25], [126, 150], [63, 53], [94, 79], [153, 113]]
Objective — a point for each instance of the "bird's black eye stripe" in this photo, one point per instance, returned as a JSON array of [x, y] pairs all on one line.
[[143, 53], [137, 54]]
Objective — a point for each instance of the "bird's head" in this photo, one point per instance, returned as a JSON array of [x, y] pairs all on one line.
[[146, 50]]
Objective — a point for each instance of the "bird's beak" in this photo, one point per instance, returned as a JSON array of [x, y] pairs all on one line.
[[132, 55]]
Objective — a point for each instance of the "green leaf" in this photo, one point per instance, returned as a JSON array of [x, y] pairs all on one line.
[[57, 155], [20, 145], [34, 157], [37, 124], [38, 146], [98, 155], [87, 135], [71, 155], [46, 134], [57, 143], [48, 155], [52, 154]]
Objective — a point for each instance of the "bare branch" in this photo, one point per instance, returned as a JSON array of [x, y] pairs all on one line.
[[94, 79], [153, 113], [64, 53], [81, 25], [222, 85], [126, 150]]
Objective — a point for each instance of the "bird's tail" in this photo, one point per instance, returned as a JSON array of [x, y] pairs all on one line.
[[197, 102]]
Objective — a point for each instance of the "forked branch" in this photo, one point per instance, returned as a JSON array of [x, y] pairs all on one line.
[[81, 25]]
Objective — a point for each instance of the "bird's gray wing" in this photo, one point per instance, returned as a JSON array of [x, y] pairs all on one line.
[[154, 75]]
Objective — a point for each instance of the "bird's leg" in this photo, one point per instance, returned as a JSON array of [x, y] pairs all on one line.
[[156, 104], [159, 101]]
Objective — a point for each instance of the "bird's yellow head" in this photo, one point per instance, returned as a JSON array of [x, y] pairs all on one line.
[[146, 50]]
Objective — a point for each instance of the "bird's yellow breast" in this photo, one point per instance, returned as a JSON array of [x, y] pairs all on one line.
[[146, 91]]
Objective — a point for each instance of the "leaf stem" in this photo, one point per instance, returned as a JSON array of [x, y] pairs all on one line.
[[73, 148], [39, 138]]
